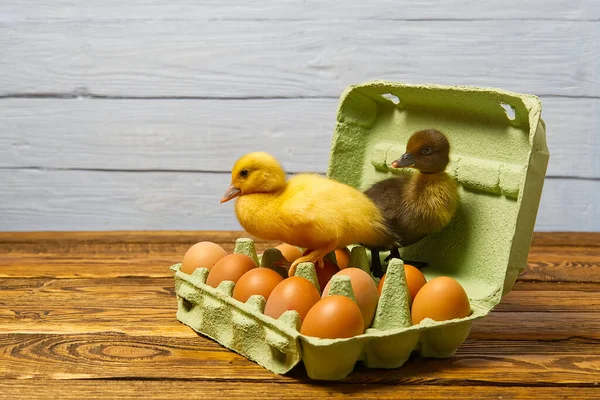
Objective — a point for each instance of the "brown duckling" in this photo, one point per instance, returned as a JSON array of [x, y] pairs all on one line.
[[415, 205]]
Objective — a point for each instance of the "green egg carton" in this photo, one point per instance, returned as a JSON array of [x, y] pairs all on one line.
[[498, 156]]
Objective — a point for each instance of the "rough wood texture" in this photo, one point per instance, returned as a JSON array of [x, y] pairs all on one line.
[[241, 59], [165, 390], [92, 315], [39, 199], [106, 356]]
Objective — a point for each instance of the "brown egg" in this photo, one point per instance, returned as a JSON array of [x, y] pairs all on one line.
[[229, 268], [414, 280], [380, 285], [294, 293], [291, 253], [365, 292], [203, 254], [260, 281], [333, 317], [440, 299], [342, 257], [325, 274]]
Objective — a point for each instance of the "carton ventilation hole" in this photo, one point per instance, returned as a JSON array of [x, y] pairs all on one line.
[[278, 355], [509, 110], [391, 97], [187, 306]]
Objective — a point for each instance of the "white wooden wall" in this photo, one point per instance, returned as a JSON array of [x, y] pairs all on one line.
[[128, 114]]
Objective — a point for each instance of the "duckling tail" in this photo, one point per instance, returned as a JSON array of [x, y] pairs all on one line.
[[384, 238]]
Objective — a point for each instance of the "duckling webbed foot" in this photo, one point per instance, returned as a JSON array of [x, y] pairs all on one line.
[[313, 256], [376, 269], [395, 253]]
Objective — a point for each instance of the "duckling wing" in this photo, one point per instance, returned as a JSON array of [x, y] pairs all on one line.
[[389, 196], [321, 210], [415, 208]]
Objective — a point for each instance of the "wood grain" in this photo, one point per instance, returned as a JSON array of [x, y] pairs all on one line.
[[11, 10], [209, 135], [130, 292], [563, 264], [90, 319], [577, 241], [104, 254], [527, 296], [45, 294], [149, 254], [561, 270], [116, 200], [131, 389], [160, 321], [116, 336], [241, 59], [109, 241], [147, 305], [104, 356], [86, 266]]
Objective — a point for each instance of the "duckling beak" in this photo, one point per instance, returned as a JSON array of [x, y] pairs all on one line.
[[405, 161], [231, 193]]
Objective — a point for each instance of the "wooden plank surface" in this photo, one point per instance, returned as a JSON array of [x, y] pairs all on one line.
[[107, 293], [75, 322], [38, 199], [554, 257], [241, 59], [127, 389], [109, 356], [90, 305], [585, 10], [209, 135]]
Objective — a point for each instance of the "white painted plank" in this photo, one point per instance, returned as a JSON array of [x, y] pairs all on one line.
[[81, 200], [569, 205], [91, 200], [209, 135], [298, 10], [573, 136], [200, 135], [295, 58]]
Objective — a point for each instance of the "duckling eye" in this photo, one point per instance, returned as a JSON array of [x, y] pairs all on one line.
[[244, 173], [426, 151]]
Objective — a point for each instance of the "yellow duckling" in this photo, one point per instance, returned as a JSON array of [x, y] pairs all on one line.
[[308, 210]]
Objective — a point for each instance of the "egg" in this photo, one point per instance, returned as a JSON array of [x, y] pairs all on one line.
[[291, 253], [229, 268], [294, 293], [333, 317], [414, 280], [324, 274], [203, 254], [342, 257], [365, 292], [440, 299], [259, 281]]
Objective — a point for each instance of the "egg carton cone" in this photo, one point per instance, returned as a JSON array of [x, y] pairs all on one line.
[[498, 156], [277, 344]]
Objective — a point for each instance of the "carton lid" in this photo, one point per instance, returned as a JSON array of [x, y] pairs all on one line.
[[498, 156]]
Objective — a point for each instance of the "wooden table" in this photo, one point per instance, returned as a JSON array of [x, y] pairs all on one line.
[[92, 315]]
